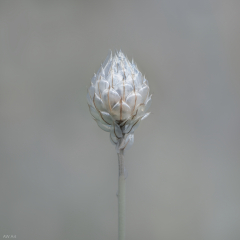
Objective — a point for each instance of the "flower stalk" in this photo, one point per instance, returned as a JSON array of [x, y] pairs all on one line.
[[121, 197]]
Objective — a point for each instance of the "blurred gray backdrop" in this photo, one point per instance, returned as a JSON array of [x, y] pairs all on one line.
[[58, 170]]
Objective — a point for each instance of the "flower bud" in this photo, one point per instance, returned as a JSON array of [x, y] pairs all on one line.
[[118, 99]]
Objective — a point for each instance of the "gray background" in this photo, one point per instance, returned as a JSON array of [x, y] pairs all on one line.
[[58, 170]]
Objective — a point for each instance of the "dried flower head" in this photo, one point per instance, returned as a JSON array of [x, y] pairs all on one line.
[[118, 99]]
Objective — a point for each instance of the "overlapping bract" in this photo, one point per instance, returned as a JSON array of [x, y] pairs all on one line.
[[118, 99]]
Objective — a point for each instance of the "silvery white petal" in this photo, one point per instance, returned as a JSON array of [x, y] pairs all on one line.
[[89, 100], [124, 122], [113, 139], [123, 90], [145, 81], [148, 103], [110, 97], [138, 81], [121, 70], [114, 79], [100, 86], [108, 65], [121, 111], [133, 100], [134, 66], [132, 126], [100, 73], [95, 113], [94, 79], [117, 131], [144, 91], [104, 127], [91, 91], [98, 103], [106, 117], [130, 80], [120, 54], [139, 111], [145, 116], [107, 69]]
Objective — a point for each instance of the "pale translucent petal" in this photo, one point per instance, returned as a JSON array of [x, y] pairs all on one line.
[[132, 126], [139, 111], [89, 100], [95, 113], [117, 131], [121, 70], [107, 69], [103, 117], [101, 73], [114, 62], [145, 116], [110, 97], [107, 60], [94, 79], [138, 80], [107, 65], [113, 140], [98, 103], [114, 79], [115, 67], [133, 100], [135, 126], [113, 137], [91, 91], [121, 111], [104, 127], [145, 81], [121, 54], [127, 128], [124, 89], [130, 80], [124, 122], [100, 86], [148, 103], [144, 91], [134, 66], [109, 77], [127, 66], [106, 118]]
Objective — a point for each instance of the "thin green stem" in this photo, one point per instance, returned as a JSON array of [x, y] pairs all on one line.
[[121, 197]]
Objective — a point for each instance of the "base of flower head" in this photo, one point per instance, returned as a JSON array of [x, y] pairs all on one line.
[[124, 143], [123, 136]]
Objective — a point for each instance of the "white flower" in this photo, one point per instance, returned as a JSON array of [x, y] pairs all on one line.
[[118, 99]]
